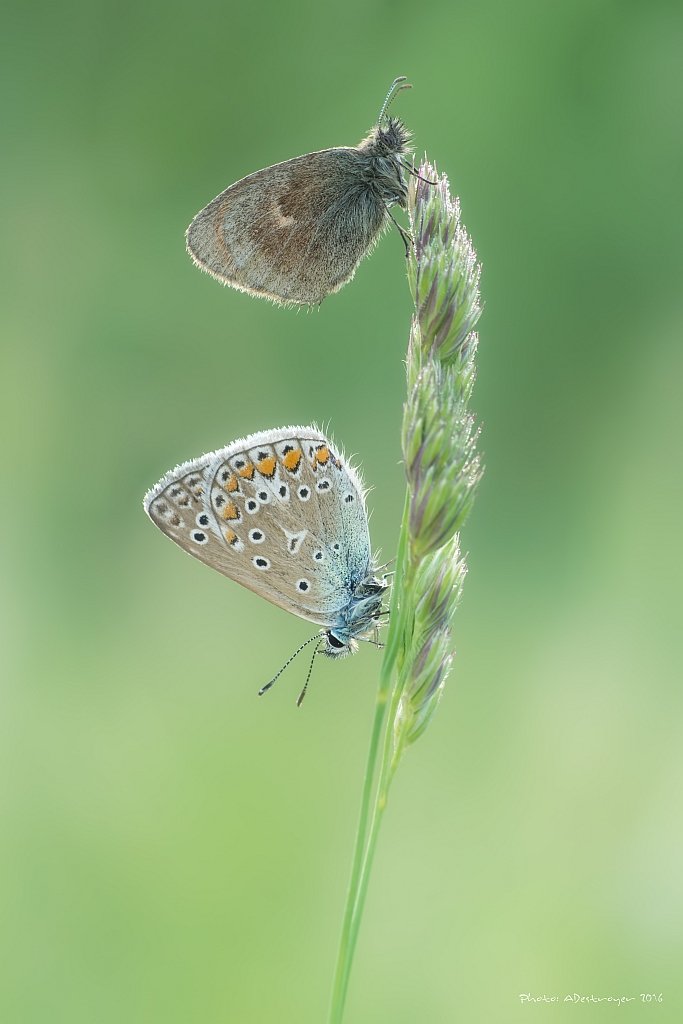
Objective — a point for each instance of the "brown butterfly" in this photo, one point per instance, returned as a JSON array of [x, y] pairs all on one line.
[[295, 232]]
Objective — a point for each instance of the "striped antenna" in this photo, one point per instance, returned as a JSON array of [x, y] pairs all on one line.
[[288, 662], [398, 83], [310, 669]]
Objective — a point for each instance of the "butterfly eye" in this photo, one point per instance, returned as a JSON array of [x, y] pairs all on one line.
[[335, 642]]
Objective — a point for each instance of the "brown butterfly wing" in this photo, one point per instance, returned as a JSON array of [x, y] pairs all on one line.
[[293, 232]]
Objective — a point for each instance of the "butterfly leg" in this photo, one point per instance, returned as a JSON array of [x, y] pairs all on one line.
[[375, 642], [405, 235], [411, 170]]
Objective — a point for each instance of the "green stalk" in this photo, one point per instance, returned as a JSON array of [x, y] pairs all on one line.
[[366, 844], [442, 470], [360, 867]]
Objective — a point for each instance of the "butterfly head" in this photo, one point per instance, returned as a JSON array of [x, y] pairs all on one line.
[[382, 164], [336, 643]]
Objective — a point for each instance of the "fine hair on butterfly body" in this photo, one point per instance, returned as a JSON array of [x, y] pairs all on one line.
[[296, 231], [282, 513]]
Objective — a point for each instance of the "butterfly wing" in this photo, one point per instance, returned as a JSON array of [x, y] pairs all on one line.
[[278, 512], [293, 232]]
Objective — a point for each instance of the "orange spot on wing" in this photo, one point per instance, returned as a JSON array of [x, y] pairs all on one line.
[[291, 461], [321, 455], [230, 536], [267, 466], [232, 484], [247, 471], [231, 511]]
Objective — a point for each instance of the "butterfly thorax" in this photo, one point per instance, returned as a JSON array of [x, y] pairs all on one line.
[[393, 137], [357, 620], [382, 150]]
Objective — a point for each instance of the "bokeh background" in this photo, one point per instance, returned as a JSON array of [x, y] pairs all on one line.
[[176, 850]]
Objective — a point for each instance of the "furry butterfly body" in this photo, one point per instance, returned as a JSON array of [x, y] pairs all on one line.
[[281, 513], [295, 232]]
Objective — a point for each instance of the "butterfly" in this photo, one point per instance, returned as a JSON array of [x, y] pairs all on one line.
[[283, 514], [296, 232]]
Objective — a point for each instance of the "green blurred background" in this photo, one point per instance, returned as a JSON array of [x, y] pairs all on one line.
[[176, 850]]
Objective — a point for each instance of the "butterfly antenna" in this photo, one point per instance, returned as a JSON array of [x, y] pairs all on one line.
[[289, 661], [301, 696], [398, 83]]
